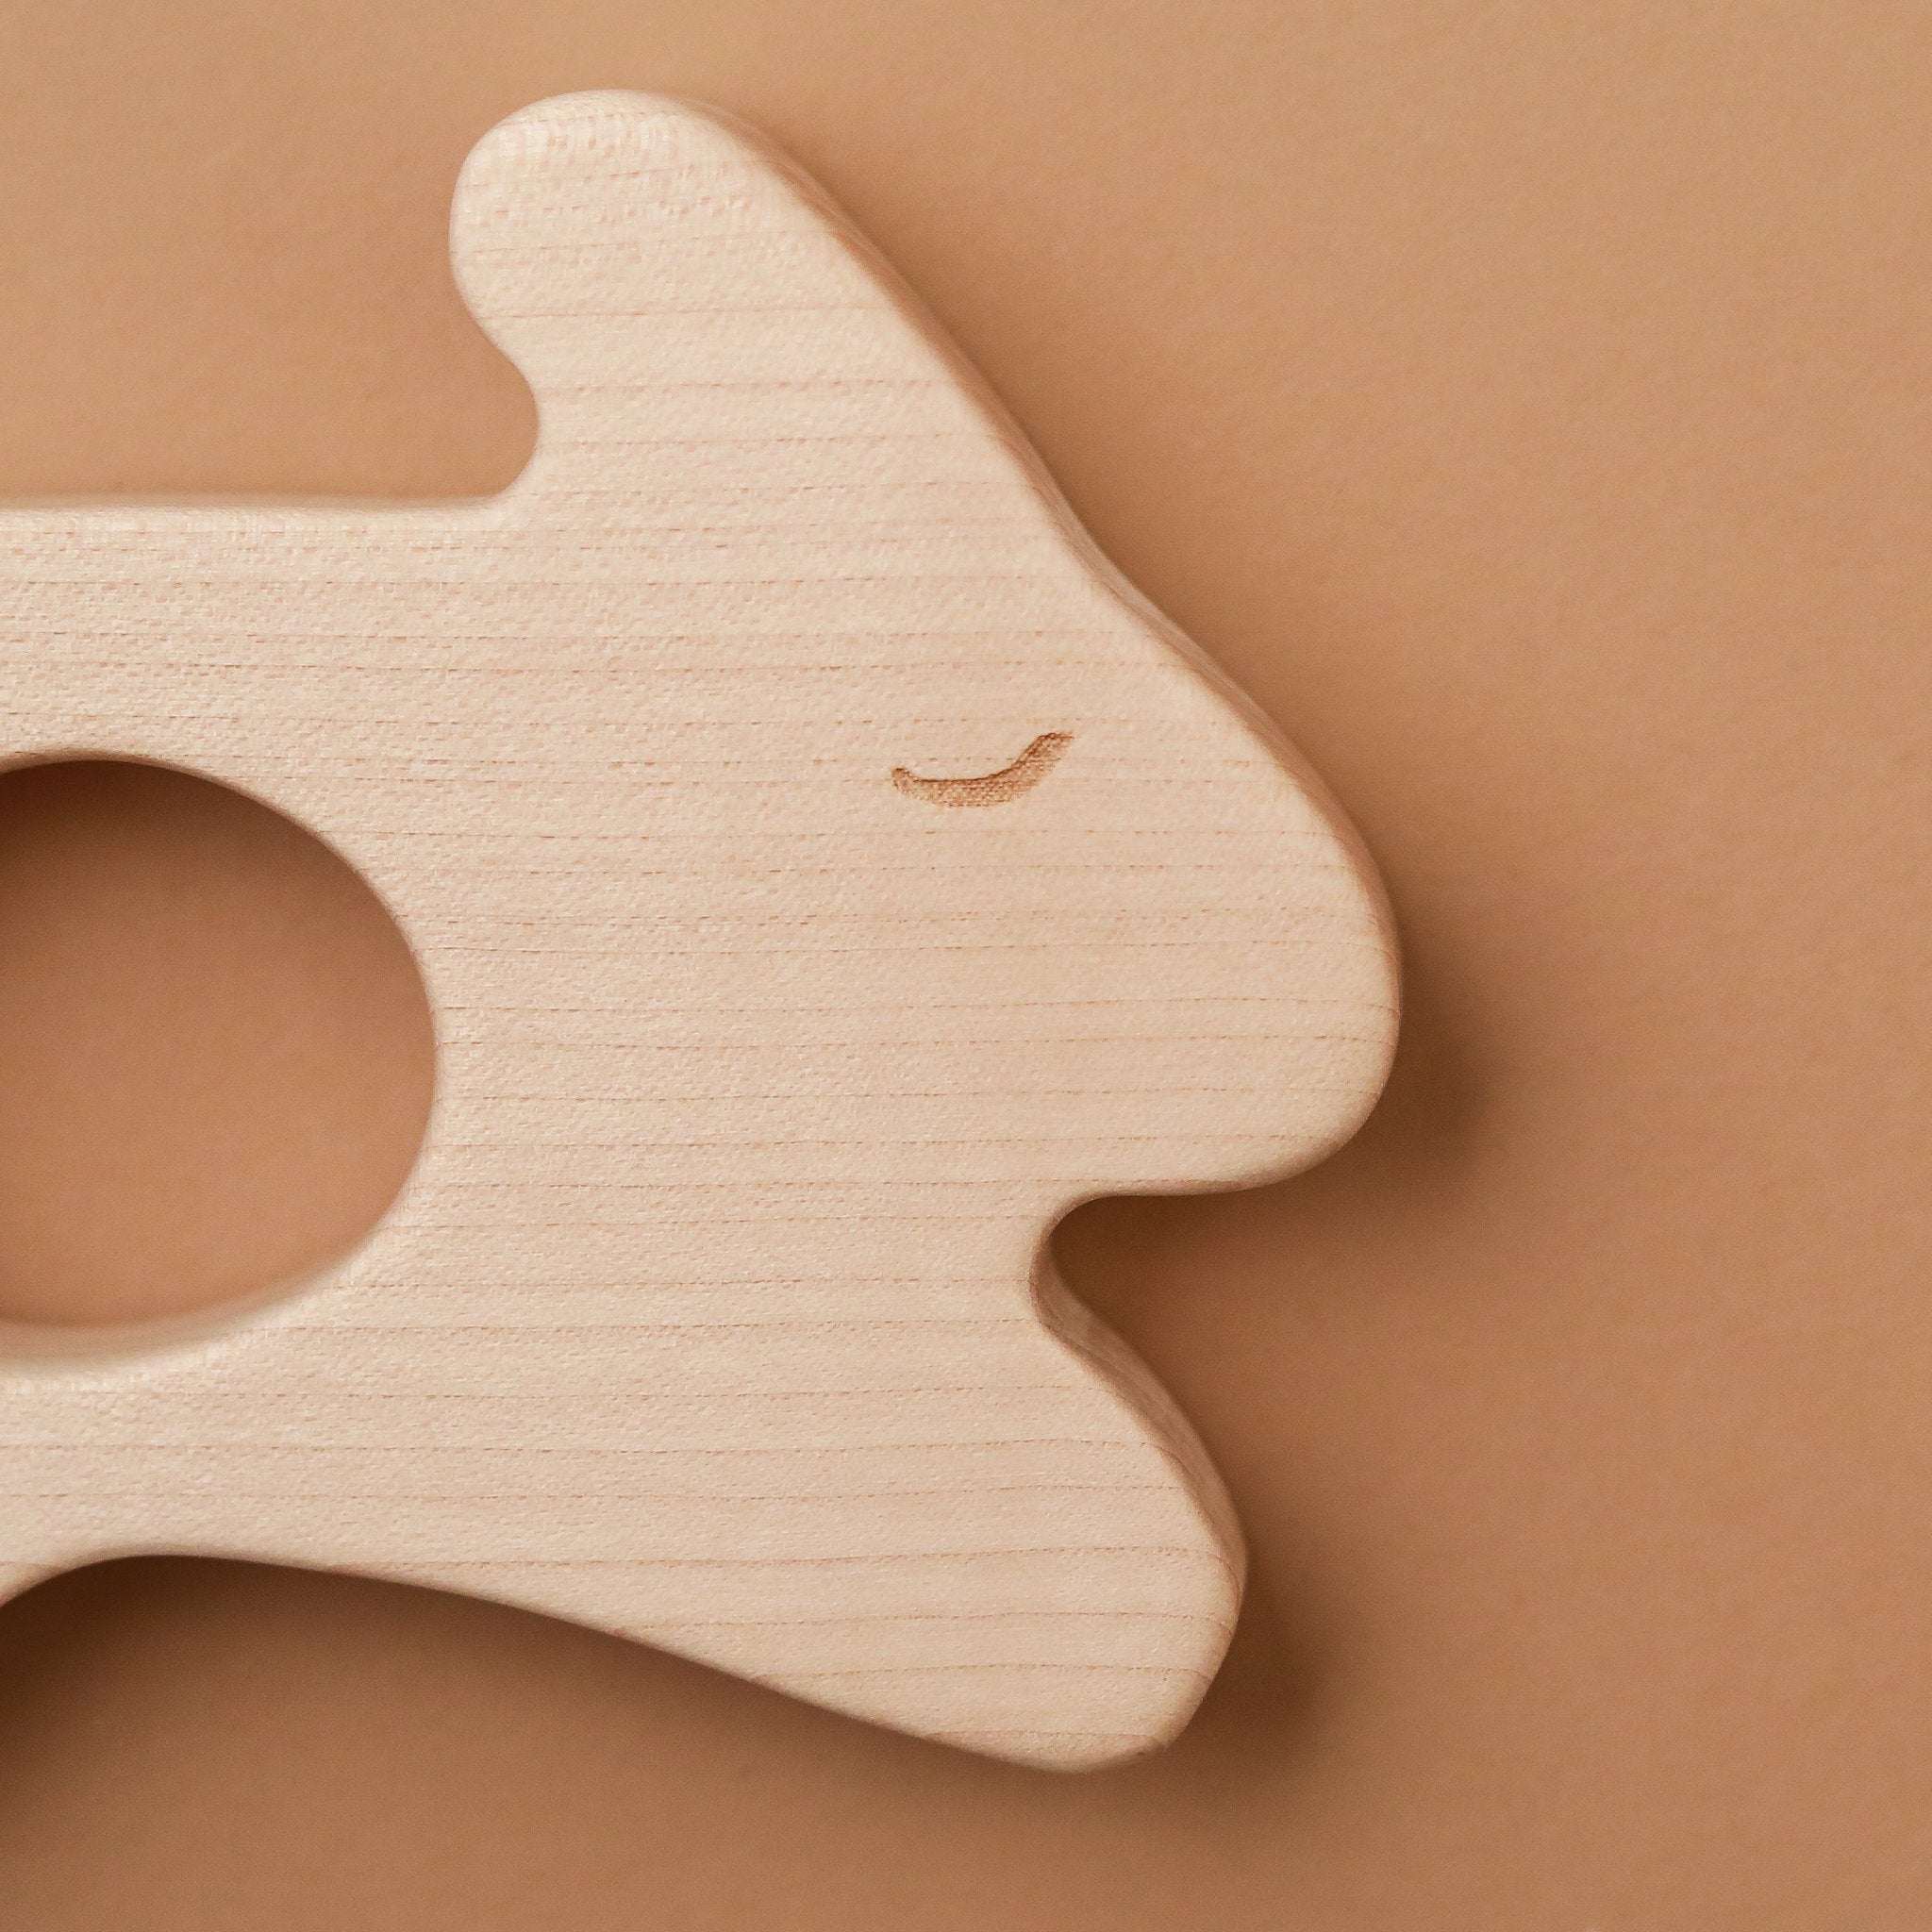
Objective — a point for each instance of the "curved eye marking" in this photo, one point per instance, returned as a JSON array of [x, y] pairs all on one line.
[[996, 788]]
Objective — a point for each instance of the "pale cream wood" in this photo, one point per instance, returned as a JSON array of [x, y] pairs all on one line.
[[717, 1311]]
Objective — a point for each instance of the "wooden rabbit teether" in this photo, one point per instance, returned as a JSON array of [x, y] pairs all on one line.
[[718, 1312]]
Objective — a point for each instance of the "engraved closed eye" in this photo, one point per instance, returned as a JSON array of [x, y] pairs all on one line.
[[995, 788]]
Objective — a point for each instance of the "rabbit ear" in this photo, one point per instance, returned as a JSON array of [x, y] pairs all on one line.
[[662, 277]]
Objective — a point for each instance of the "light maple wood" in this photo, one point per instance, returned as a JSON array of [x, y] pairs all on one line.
[[718, 1312]]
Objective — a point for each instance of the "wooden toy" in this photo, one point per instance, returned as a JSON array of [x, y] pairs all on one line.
[[826, 870]]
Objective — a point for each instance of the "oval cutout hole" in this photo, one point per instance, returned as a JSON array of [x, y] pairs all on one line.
[[216, 1051]]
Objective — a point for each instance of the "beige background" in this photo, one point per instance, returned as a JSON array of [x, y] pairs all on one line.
[[1532, 407]]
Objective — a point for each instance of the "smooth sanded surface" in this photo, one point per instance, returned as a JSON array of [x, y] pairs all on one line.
[[716, 1311], [1529, 406]]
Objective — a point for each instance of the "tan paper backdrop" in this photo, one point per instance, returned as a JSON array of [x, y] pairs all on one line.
[[1532, 406]]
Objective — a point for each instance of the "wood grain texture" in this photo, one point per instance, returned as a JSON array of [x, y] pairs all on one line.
[[718, 1312]]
